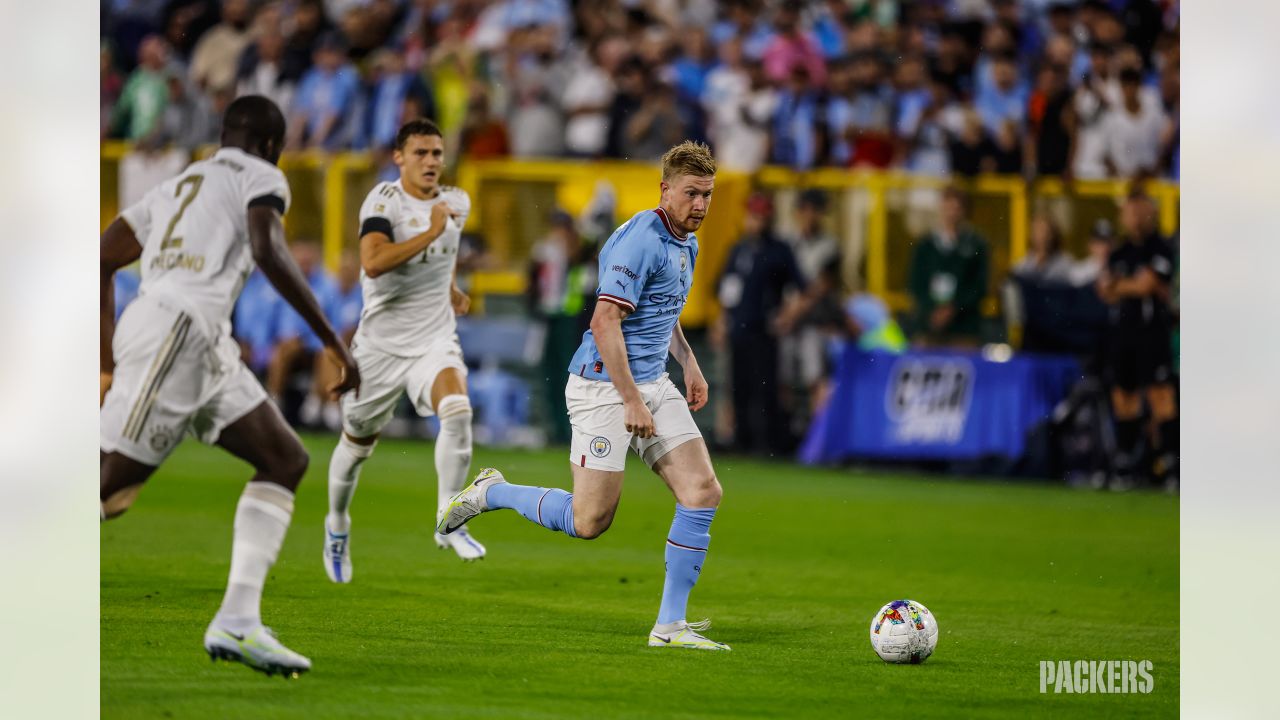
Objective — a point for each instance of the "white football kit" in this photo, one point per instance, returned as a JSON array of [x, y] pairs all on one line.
[[177, 369], [407, 333]]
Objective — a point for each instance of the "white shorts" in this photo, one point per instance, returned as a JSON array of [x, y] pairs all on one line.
[[600, 436], [172, 376], [383, 378]]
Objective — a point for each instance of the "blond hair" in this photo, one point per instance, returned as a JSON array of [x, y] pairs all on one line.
[[688, 158]]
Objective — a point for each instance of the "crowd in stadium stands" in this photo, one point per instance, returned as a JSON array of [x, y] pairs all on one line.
[[1087, 89]]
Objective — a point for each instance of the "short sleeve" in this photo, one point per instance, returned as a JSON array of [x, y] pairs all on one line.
[[380, 211], [138, 216], [460, 202], [624, 270], [266, 185]]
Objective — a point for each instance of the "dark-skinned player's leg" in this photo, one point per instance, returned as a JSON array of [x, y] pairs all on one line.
[[120, 481], [265, 441]]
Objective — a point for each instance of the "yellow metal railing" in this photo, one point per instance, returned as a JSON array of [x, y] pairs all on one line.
[[512, 201]]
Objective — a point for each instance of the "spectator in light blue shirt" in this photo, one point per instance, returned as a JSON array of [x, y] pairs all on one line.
[[839, 112], [342, 299], [255, 319], [747, 23], [393, 87], [795, 141], [325, 99], [531, 13], [828, 28], [690, 70], [293, 336], [1005, 98]]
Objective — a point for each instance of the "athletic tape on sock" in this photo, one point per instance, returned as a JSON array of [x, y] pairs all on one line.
[[356, 449], [270, 498], [453, 405]]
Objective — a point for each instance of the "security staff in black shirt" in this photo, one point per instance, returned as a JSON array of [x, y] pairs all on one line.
[[1139, 354], [751, 289]]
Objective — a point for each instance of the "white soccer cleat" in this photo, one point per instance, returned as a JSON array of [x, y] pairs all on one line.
[[257, 648], [468, 503], [467, 547], [337, 555], [683, 634]]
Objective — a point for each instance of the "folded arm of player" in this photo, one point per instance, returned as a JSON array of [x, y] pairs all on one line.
[[606, 326], [119, 247], [266, 237], [694, 381], [378, 254]]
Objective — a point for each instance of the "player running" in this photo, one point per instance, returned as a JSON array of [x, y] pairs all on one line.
[[171, 366], [619, 396], [407, 342]]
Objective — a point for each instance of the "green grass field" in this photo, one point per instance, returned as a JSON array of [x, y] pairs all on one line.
[[548, 627]]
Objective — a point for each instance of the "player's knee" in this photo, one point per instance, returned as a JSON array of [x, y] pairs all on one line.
[[291, 466], [707, 494], [592, 526]]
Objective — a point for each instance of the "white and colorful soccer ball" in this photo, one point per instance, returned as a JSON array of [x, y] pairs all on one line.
[[904, 631]]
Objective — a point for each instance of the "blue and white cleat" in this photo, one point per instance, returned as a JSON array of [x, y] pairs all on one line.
[[467, 547], [337, 555], [681, 634], [468, 503], [257, 648]]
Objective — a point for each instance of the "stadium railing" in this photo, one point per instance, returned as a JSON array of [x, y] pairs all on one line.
[[876, 215]]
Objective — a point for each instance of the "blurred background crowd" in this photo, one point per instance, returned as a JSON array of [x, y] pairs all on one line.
[[950, 93], [1085, 89]]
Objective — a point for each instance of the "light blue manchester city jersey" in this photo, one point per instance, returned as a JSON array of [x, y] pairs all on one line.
[[646, 267]]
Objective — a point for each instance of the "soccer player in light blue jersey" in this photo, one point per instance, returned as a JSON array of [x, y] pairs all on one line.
[[619, 397]]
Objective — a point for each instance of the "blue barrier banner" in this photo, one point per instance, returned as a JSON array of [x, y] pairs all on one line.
[[937, 405]]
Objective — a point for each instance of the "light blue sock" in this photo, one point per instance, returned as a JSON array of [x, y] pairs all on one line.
[[686, 550], [551, 508]]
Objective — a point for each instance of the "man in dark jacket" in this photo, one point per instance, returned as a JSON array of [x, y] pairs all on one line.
[[751, 290], [1139, 357], [949, 279]]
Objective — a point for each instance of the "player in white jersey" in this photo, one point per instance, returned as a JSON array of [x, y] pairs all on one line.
[[171, 366], [407, 342]]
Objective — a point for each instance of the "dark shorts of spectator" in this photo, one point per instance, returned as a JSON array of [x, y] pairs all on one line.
[[1138, 358]]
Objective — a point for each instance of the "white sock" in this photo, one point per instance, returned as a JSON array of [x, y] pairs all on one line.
[[344, 472], [453, 446], [262, 518]]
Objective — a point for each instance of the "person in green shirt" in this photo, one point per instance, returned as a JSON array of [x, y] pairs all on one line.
[[145, 94], [948, 279]]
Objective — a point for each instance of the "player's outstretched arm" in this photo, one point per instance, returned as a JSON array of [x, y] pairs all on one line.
[[119, 248], [378, 254], [266, 235], [606, 326], [694, 381]]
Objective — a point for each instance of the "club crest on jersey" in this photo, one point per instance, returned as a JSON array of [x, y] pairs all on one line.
[[415, 222], [379, 208], [600, 446], [162, 438], [684, 262]]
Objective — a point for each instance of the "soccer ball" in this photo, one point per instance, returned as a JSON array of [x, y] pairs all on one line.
[[904, 631]]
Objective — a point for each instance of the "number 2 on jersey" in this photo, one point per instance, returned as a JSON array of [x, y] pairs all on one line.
[[194, 182]]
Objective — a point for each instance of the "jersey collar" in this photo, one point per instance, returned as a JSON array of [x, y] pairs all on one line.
[[670, 227]]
